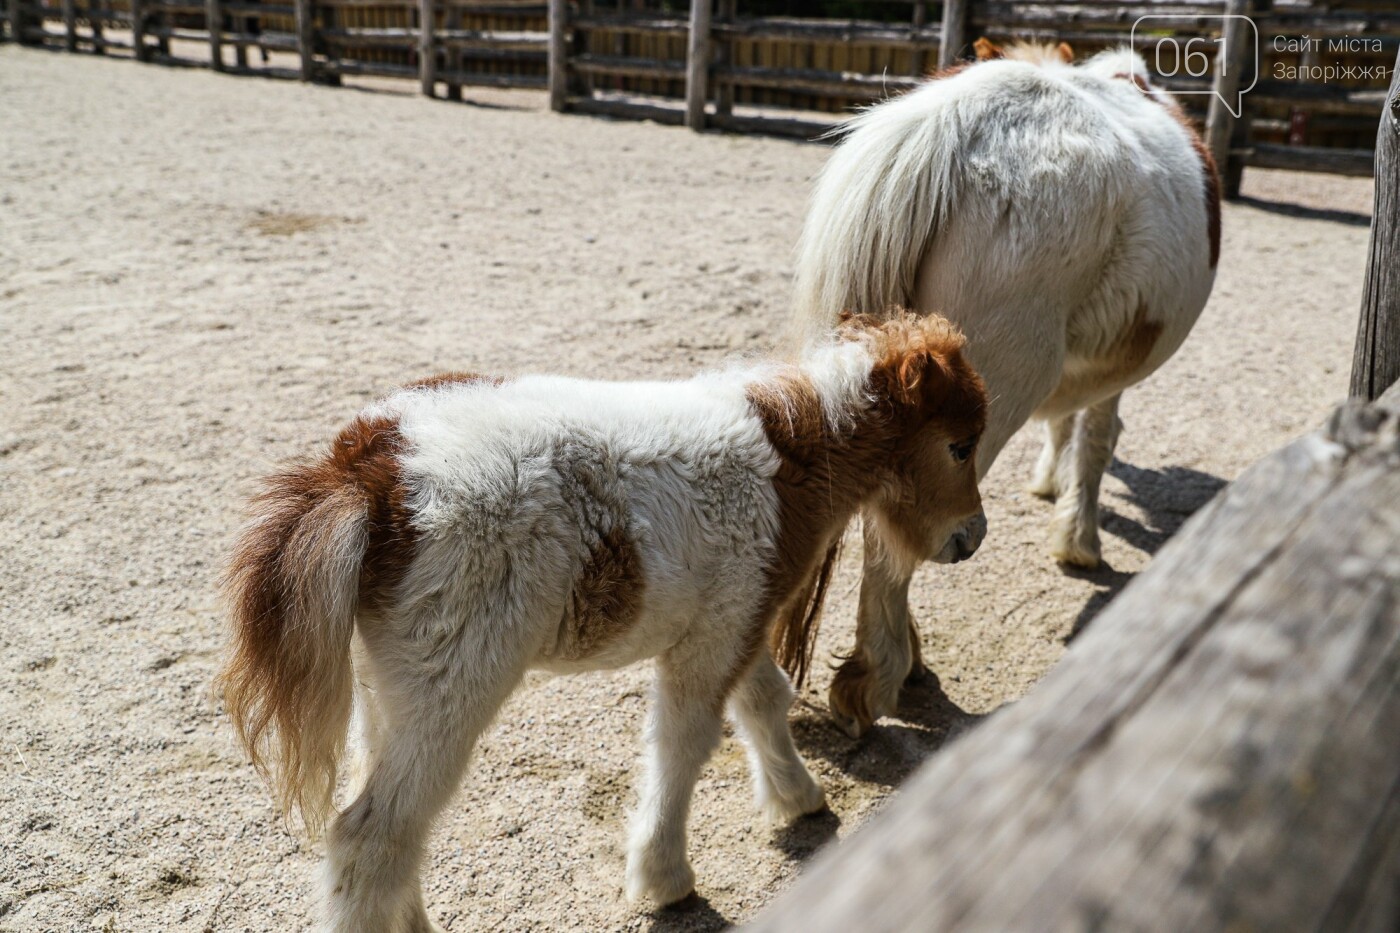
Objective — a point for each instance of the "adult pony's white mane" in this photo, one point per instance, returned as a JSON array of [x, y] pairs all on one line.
[[953, 144]]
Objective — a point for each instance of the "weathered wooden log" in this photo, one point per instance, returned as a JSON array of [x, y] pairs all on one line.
[[1217, 751], [953, 33], [558, 55], [1376, 363], [697, 63]]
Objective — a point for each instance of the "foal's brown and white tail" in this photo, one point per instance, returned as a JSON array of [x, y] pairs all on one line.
[[292, 588]]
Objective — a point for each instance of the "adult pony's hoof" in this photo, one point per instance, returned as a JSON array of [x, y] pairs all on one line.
[[857, 699], [1076, 549]]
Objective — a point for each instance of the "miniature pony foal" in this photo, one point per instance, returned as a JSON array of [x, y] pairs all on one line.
[[468, 529]]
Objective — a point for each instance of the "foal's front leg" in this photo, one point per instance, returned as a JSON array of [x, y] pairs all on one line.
[[682, 731]]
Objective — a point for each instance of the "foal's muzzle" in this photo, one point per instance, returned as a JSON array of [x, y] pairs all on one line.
[[969, 537]]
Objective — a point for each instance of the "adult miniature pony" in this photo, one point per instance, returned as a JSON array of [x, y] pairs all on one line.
[[1066, 218], [467, 529]]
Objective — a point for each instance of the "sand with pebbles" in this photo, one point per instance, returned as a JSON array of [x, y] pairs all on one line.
[[201, 275]]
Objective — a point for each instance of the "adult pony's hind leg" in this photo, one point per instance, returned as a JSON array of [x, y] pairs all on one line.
[[434, 702], [1058, 433], [1074, 531], [867, 683], [783, 787]]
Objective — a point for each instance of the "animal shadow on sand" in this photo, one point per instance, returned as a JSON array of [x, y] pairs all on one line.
[[694, 914], [1350, 218], [885, 755], [1168, 497]]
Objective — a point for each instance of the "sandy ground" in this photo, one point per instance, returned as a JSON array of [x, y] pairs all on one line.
[[201, 275]]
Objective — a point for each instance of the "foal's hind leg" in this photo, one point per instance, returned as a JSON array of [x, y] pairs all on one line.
[[783, 787], [434, 705], [1074, 532], [1058, 432]]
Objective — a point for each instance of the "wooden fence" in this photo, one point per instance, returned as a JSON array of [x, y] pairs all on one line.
[[712, 65], [1218, 751]]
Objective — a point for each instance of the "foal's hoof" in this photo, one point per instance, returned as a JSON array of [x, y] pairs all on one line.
[[853, 708]]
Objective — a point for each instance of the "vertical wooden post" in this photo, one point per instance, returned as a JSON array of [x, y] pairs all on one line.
[[697, 64], [919, 64], [305, 38], [95, 11], [427, 54], [16, 22], [1376, 363], [213, 13], [953, 34], [1229, 70], [724, 93], [70, 26], [240, 46], [138, 31], [454, 58], [558, 55]]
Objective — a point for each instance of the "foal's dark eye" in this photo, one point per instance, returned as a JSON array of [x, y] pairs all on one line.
[[962, 451]]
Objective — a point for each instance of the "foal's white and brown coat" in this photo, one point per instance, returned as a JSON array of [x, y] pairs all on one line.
[[468, 529]]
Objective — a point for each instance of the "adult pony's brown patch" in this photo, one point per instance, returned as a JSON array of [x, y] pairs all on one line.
[[606, 598], [1210, 175], [1119, 364]]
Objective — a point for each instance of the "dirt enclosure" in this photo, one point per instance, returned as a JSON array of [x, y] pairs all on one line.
[[201, 275]]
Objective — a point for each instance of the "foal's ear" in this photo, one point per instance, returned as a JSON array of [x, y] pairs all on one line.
[[1065, 51], [987, 50]]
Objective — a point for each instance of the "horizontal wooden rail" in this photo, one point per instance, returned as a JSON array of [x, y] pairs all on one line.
[[1355, 162], [761, 65], [1216, 751]]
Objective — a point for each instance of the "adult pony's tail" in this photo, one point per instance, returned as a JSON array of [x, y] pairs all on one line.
[[292, 588], [795, 634], [877, 204]]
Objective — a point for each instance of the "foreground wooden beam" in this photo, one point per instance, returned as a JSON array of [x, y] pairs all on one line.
[[1220, 750], [1376, 363]]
